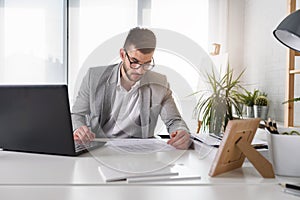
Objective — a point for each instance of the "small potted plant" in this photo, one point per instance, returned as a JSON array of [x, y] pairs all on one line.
[[247, 99], [261, 107]]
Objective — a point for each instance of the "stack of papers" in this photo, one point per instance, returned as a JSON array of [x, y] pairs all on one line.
[[292, 191], [139, 170], [291, 188], [140, 145], [159, 178], [215, 142], [109, 174]]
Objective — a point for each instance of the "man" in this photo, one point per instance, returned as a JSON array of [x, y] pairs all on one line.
[[125, 99]]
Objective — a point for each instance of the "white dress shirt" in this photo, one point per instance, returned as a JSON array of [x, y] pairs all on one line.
[[125, 115]]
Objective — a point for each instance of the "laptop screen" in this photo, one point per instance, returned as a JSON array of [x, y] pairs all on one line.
[[36, 119]]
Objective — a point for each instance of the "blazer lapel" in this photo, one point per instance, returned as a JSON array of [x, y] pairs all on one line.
[[110, 75], [108, 99], [145, 93]]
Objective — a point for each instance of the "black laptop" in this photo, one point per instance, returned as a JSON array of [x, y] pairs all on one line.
[[37, 119]]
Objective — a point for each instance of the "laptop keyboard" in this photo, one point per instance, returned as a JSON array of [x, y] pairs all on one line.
[[85, 146]]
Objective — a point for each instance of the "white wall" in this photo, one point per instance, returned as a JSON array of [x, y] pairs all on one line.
[[260, 53], [236, 34]]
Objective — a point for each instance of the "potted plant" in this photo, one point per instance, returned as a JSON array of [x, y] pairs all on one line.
[[247, 99], [281, 142], [214, 107], [261, 107]]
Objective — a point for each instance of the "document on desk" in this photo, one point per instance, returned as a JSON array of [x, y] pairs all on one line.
[[259, 143], [140, 145], [164, 179], [206, 139], [109, 174], [214, 142]]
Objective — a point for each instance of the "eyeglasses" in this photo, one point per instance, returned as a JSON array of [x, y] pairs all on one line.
[[136, 65]]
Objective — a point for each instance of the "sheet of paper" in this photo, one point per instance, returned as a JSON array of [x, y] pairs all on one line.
[[212, 141], [140, 145], [206, 139], [160, 178], [257, 141], [109, 174]]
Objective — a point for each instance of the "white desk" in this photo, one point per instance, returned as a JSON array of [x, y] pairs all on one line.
[[35, 176], [146, 192]]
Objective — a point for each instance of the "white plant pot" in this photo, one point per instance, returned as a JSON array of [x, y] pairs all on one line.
[[284, 152]]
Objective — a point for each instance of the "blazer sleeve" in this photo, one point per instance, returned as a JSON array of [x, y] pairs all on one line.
[[81, 105], [169, 111]]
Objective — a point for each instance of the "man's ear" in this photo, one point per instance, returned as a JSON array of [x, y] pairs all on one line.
[[122, 54]]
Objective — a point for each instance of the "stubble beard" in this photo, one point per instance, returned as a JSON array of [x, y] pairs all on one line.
[[129, 75]]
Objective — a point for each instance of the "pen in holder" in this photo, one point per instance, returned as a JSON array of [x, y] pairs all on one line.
[[271, 126]]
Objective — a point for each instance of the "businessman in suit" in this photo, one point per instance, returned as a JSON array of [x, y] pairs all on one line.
[[124, 100]]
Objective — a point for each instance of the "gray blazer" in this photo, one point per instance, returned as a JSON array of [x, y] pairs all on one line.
[[98, 89]]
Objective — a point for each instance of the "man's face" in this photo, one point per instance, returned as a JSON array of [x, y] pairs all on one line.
[[131, 59]]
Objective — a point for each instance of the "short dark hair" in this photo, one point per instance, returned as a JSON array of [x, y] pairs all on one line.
[[141, 39]]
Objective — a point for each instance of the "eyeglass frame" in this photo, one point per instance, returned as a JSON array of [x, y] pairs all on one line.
[[140, 65]]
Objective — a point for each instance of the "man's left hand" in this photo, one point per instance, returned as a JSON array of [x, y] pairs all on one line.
[[180, 139]]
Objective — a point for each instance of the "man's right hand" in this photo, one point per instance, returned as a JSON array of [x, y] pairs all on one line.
[[83, 134]]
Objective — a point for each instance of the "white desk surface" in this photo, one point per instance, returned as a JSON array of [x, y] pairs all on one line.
[[146, 192], [34, 176]]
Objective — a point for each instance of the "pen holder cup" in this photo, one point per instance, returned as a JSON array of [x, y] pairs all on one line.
[[285, 152]]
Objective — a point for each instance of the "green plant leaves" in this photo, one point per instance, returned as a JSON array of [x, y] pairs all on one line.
[[218, 102], [292, 100]]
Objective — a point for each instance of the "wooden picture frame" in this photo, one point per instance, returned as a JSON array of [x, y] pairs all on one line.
[[236, 146]]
